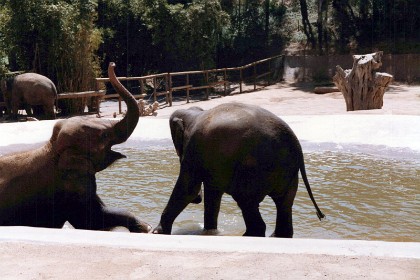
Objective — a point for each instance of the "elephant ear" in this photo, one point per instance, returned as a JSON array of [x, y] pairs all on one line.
[[73, 161], [177, 132]]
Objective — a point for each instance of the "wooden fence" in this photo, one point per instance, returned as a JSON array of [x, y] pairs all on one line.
[[165, 84]]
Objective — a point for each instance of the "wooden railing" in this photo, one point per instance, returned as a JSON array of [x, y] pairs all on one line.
[[165, 84]]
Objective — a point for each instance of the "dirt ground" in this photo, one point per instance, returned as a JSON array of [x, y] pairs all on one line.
[[36, 261], [75, 254], [43, 260], [289, 99]]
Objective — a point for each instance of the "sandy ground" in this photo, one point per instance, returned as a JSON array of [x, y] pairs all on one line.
[[289, 99], [31, 254], [74, 254]]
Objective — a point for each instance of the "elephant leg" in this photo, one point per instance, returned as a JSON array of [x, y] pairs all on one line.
[[49, 111], [185, 191], [37, 111], [284, 203], [254, 223], [14, 112], [212, 199], [199, 198], [93, 215], [28, 110]]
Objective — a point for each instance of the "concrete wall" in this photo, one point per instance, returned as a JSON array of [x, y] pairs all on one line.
[[404, 67]]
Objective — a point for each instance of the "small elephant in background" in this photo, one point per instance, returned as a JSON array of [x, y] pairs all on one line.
[[56, 183], [242, 150], [35, 93]]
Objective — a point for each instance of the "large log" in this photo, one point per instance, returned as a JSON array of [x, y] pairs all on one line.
[[362, 87]]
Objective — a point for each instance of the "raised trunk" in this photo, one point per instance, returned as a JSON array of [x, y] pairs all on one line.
[[126, 126]]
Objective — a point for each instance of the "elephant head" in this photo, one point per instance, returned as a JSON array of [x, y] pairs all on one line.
[[86, 146], [179, 125], [64, 168]]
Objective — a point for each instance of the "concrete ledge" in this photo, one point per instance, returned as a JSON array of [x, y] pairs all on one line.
[[211, 243], [37, 253]]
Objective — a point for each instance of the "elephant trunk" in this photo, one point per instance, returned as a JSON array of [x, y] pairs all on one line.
[[126, 126]]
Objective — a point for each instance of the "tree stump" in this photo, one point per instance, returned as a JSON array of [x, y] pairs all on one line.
[[362, 87]]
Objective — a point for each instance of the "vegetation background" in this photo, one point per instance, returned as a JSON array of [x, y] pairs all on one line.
[[72, 41]]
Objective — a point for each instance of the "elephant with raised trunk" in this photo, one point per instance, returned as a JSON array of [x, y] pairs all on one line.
[[34, 92], [241, 150], [56, 183]]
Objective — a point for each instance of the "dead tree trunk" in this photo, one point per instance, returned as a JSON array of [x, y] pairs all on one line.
[[362, 87]]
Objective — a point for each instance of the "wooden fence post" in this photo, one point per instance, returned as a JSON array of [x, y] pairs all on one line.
[[169, 96], [240, 80], [188, 89], [255, 76], [141, 86], [207, 83], [154, 89], [224, 80]]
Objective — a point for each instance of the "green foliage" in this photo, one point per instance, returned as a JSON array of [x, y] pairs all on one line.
[[256, 31], [126, 37], [71, 40], [186, 36], [54, 38], [367, 25], [68, 40]]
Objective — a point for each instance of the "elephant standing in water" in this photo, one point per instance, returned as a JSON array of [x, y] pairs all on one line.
[[241, 150], [56, 183], [31, 91]]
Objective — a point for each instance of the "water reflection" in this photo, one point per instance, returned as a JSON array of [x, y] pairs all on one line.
[[362, 196]]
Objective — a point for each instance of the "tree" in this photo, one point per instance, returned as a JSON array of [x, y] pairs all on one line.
[[322, 26], [307, 28], [256, 30], [53, 38], [363, 88], [186, 37], [57, 39], [126, 38], [366, 24]]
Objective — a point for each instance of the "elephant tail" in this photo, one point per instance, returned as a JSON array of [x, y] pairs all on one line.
[[308, 188]]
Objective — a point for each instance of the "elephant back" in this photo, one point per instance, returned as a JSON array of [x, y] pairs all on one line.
[[34, 88]]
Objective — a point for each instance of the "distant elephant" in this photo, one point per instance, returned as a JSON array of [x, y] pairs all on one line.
[[241, 150], [56, 183], [31, 91]]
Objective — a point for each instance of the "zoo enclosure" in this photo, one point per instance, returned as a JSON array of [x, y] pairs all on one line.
[[259, 73]]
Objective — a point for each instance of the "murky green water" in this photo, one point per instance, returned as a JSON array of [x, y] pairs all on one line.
[[362, 196]]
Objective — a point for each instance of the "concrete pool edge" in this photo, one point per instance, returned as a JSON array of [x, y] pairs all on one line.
[[389, 130], [228, 244]]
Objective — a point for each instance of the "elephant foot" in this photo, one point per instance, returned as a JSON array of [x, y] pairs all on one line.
[[141, 227], [210, 232], [255, 233], [199, 198], [159, 230], [277, 236]]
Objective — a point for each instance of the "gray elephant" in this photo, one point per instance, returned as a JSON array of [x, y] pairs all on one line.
[[31, 91], [241, 150], [56, 183]]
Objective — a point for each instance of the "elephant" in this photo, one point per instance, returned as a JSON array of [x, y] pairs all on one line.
[[242, 150], [31, 91], [56, 183]]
